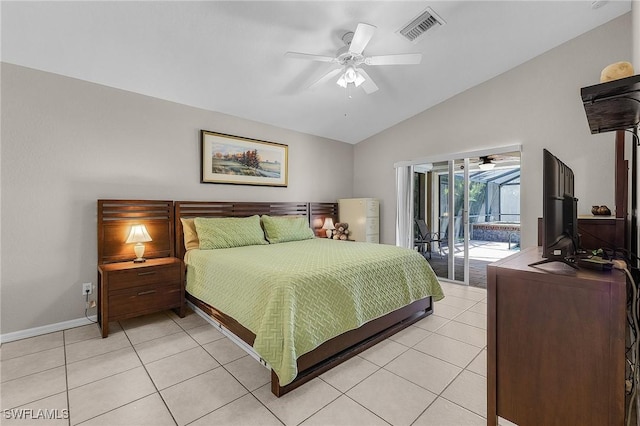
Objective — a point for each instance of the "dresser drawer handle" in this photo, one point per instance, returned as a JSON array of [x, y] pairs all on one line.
[[142, 293], [146, 273]]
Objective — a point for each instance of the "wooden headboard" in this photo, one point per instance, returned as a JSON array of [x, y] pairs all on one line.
[[190, 209], [115, 218]]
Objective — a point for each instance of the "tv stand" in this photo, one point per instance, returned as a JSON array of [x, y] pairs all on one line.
[[566, 260], [555, 343]]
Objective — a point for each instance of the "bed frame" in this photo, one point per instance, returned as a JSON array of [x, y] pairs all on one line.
[[334, 351]]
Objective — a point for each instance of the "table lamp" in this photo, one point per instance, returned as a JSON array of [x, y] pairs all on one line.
[[138, 235], [329, 226]]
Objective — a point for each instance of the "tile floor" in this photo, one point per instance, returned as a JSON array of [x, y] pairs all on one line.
[[164, 370]]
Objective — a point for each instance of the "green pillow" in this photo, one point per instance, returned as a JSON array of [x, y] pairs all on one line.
[[280, 229], [226, 232]]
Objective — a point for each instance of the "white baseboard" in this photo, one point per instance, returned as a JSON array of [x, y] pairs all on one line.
[[45, 329]]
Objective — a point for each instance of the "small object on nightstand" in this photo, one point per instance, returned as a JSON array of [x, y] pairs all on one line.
[[328, 225], [138, 235], [342, 231]]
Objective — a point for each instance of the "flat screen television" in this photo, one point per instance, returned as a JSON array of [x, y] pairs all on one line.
[[560, 242]]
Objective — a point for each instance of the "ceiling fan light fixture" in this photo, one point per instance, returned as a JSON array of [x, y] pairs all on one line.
[[350, 74], [486, 164], [342, 82]]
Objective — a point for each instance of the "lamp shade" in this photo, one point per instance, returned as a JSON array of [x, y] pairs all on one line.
[[138, 234], [328, 224]]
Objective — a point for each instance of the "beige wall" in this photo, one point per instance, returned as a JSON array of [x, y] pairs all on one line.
[[536, 104], [66, 143]]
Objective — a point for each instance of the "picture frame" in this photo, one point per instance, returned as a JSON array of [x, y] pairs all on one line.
[[236, 160]]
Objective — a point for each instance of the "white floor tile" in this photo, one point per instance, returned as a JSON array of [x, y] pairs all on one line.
[[204, 334], [147, 411], [149, 327], [350, 373], [473, 318], [384, 352], [200, 395], [96, 398], [31, 345], [443, 412], [410, 336], [469, 390], [344, 411], [98, 346], [33, 363], [446, 311], [391, 397], [465, 333], [456, 302], [56, 409], [224, 350], [249, 372], [161, 347], [299, 404], [244, 411], [448, 349], [176, 368], [479, 365], [432, 322], [86, 332], [190, 320], [101, 366], [32, 388], [480, 307], [424, 370]]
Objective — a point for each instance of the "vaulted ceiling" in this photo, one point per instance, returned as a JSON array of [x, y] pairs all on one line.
[[228, 56]]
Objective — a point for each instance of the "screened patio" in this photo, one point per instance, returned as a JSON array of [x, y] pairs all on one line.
[[494, 221]]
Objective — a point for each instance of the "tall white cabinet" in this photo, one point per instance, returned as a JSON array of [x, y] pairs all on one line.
[[363, 217]]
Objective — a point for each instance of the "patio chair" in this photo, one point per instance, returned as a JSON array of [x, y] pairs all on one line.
[[426, 238]]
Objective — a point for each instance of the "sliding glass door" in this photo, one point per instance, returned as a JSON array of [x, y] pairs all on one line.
[[467, 213], [452, 228]]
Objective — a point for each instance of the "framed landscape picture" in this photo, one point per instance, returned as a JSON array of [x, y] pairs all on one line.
[[242, 161]]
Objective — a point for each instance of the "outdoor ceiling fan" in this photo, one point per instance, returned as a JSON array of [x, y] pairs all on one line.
[[350, 58]]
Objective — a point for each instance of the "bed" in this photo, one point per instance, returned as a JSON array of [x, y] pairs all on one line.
[[304, 305]]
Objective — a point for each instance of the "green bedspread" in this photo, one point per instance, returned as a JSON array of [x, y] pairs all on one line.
[[294, 296]]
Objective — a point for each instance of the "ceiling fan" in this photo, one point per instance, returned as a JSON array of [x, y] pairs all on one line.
[[350, 58]]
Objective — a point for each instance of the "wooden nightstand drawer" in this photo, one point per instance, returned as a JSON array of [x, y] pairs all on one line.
[[135, 300], [142, 276], [128, 289]]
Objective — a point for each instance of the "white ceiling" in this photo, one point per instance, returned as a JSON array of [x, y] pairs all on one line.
[[228, 56]]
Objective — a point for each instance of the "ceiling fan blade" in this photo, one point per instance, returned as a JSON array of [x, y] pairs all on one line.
[[326, 77], [361, 38], [403, 59], [309, 57], [368, 85]]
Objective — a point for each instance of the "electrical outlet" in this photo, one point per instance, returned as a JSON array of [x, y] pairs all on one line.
[[87, 288]]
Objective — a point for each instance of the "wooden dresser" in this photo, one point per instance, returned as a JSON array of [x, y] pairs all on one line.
[[555, 343]]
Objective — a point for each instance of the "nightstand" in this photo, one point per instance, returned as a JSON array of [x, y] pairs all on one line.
[[127, 289]]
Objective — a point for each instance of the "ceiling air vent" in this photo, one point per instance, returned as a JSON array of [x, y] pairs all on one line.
[[419, 26]]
